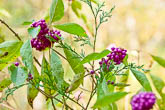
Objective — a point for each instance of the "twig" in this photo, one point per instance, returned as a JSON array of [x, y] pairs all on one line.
[[10, 29], [59, 53], [37, 61], [53, 104]]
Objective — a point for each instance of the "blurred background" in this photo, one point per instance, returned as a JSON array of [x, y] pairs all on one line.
[[136, 25]]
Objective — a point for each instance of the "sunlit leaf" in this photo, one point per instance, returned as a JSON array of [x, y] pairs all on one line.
[[109, 98], [56, 10], [72, 28], [4, 84], [142, 79], [7, 55], [159, 60]]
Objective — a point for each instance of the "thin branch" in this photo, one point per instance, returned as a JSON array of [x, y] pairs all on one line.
[[59, 53], [53, 104], [3, 22], [37, 61]]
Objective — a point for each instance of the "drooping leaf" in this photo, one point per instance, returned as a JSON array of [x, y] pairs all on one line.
[[26, 54], [18, 74], [57, 70], [94, 56], [159, 60], [32, 92], [76, 6], [34, 31], [158, 83], [109, 98], [4, 83], [7, 55], [142, 79], [56, 10], [77, 80], [72, 28], [73, 59]]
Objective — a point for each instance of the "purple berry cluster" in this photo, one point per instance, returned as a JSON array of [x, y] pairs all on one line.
[[143, 101], [110, 82], [30, 77], [117, 55], [41, 42]]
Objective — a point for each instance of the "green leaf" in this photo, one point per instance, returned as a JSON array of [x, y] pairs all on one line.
[[34, 31], [158, 83], [7, 55], [125, 62], [123, 80], [159, 60], [18, 74], [109, 98], [56, 10], [57, 70], [48, 79], [72, 28], [76, 6], [73, 60], [142, 79], [77, 80], [94, 56], [4, 83], [27, 22], [32, 92], [26, 54]]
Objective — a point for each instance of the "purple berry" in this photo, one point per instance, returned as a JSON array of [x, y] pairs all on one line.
[[143, 101], [92, 72], [16, 63]]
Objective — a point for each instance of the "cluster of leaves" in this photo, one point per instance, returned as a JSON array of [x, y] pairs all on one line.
[[52, 72]]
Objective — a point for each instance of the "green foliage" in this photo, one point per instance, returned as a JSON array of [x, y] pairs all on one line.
[[159, 60], [26, 54], [27, 22], [7, 55], [94, 56], [57, 70], [76, 6], [72, 28], [4, 83], [142, 79], [109, 98], [32, 92], [18, 74], [47, 77], [56, 10], [123, 79], [158, 83], [33, 31], [73, 60]]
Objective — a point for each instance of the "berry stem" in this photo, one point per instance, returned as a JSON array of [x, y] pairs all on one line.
[[3, 22]]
